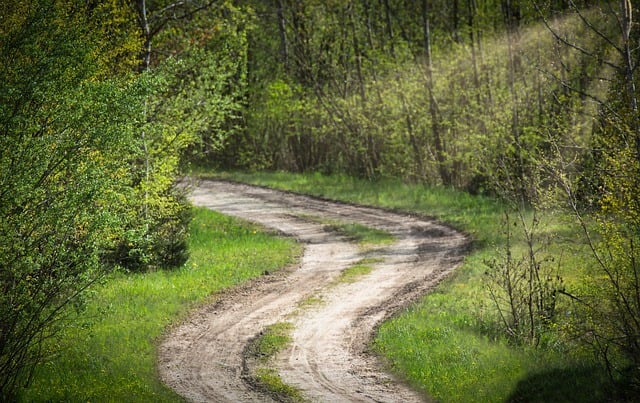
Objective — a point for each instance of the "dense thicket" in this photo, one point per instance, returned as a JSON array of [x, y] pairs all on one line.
[[94, 122], [427, 91], [60, 127]]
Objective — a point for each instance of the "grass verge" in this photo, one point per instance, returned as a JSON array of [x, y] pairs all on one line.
[[366, 237], [352, 273], [477, 215], [272, 340], [109, 352], [444, 345]]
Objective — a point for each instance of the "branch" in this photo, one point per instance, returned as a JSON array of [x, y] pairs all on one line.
[[186, 14], [594, 29], [573, 45], [565, 84]]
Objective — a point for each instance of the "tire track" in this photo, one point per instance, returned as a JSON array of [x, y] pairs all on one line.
[[328, 360]]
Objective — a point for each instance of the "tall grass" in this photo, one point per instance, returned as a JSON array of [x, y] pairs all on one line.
[[446, 344], [108, 353]]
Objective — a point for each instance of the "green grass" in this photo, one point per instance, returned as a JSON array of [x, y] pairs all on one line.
[[109, 352], [453, 363], [274, 384], [440, 345], [367, 237], [271, 341], [352, 273], [310, 301], [445, 345]]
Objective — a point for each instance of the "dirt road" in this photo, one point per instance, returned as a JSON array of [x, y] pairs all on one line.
[[204, 360]]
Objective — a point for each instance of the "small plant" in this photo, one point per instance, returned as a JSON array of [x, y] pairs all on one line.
[[273, 382], [272, 340], [310, 301], [524, 290]]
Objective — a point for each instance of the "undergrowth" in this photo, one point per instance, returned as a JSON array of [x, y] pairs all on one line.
[[444, 345], [109, 352]]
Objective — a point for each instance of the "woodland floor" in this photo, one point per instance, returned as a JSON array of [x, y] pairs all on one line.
[[205, 358]]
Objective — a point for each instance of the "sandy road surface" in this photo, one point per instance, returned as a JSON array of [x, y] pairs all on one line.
[[203, 359]]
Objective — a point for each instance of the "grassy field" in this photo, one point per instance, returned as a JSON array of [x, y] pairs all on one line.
[[445, 344], [109, 352]]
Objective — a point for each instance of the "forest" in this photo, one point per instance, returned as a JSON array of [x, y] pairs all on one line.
[[106, 104]]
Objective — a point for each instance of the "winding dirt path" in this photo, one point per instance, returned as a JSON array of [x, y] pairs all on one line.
[[203, 359]]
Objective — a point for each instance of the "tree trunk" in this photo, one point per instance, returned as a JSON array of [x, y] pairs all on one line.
[[511, 21], [455, 20], [438, 144], [627, 22], [282, 30], [413, 140], [358, 56], [146, 63]]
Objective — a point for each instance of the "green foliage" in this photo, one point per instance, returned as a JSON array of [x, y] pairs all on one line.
[[108, 351], [193, 105], [156, 209], [345, 89], [115, 38], [91, 153], [61, 131], [523, 286], [206, 58], [609, 305]]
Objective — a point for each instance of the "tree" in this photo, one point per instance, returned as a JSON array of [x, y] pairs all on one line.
[[90, 148], [194, 61], [65, 138], [604, 192]]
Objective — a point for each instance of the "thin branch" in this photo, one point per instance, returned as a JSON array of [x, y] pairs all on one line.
[[186, 14], [594, 29], [573, 45], [565, 84]]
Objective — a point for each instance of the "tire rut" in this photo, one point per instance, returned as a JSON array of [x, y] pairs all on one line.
[[328, 360]]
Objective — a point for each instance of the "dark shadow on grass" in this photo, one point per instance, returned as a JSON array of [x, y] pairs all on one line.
[[582, 385]]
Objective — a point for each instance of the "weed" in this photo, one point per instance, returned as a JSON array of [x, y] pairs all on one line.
[[366, 237], [273, 382]]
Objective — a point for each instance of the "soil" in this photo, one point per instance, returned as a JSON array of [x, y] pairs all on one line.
[[204, 358]]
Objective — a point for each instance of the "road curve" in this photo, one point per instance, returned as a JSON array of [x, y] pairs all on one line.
[[328, 361]]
